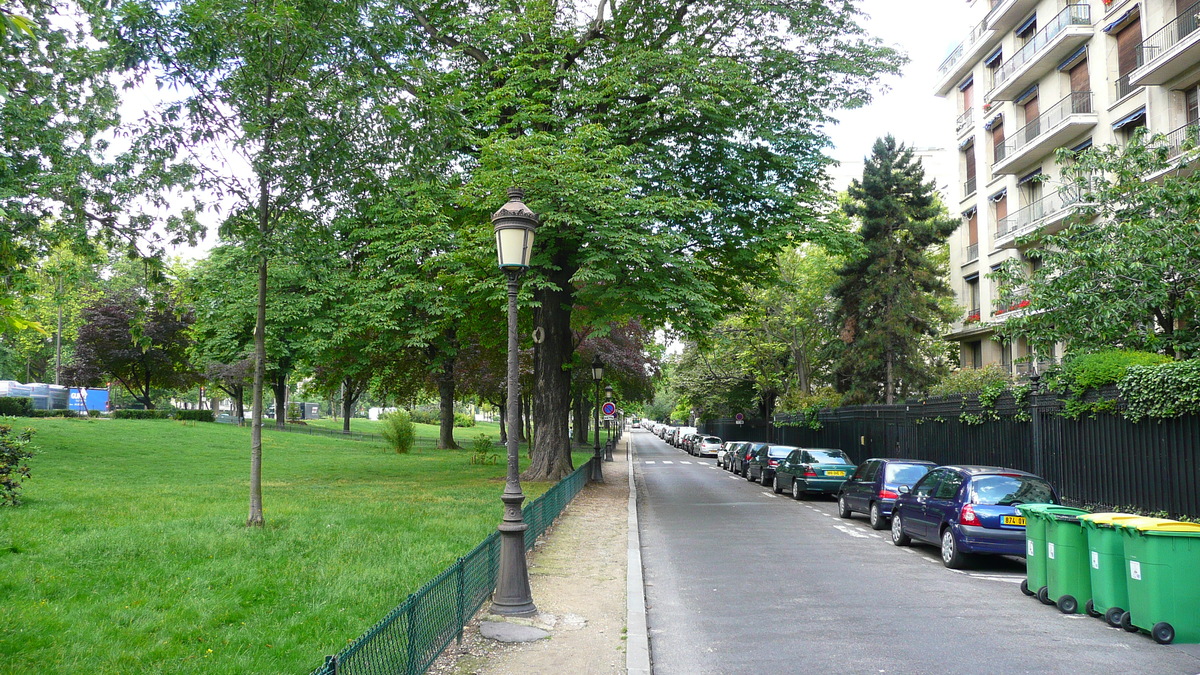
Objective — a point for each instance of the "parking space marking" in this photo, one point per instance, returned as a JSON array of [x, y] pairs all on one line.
[[684, 462], [667, 461], [768, 494], [852, 533], [649, 461]]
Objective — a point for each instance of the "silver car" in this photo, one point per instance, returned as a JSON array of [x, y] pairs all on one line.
[[707, 446]]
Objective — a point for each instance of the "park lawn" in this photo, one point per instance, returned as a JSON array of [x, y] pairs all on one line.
[[130, 552], [427, 432]]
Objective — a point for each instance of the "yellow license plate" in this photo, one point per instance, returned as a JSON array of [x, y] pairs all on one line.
[[1013, 520], [835, 473]]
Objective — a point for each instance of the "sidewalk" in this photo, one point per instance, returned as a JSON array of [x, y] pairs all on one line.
[[578, 574]]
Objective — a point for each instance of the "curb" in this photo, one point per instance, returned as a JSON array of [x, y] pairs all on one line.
[[637, 637]]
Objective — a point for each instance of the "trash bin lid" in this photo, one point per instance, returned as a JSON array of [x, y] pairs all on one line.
[[1058, 512], [1029, 509], [1106, 519], [1133, 524], [1172, 528]]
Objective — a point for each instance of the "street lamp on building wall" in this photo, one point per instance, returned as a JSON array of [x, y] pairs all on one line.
[[515, 225], [597, 458]]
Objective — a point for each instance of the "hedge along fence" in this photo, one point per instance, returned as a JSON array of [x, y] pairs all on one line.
[[1104, 458], [412, 635]]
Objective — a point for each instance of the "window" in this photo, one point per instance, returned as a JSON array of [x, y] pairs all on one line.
[[929, 482], [1128, 39], [971, 296], [968, 95], [974, 354], [904, 474], [969, 170], [948, 488], [972, 252], [1191, 99], [998, 140], [1000, 204], [1079, 76], [992, 63], [1027, 30], [1030, 187], [872, 471]]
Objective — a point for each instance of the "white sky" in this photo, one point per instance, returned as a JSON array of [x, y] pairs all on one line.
[[926, 30]]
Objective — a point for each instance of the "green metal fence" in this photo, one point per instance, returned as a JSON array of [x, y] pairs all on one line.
[[411, 636]]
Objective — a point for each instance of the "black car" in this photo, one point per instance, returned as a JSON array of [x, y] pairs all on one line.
[[741, 459], [874, 487], [766, 458]]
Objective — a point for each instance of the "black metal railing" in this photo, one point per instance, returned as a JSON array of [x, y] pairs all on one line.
[[968, 187], [1124, 88], [1179, 140], [1161, 40], [1073, 15], [1075, 103], [411, 636]]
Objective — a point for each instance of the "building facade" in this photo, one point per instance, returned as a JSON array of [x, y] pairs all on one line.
[[1034, 76]]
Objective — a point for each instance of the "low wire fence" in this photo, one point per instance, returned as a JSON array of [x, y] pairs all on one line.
[[411, 636]]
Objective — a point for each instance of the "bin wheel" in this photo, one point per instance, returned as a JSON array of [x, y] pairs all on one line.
[[1127, 623], [1163, 633], [1113, 616], [1043, 595], [1090, 609], [1067, 604]]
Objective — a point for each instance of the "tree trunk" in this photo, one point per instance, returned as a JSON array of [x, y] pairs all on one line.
[[446, 400], [551, 450], [504, 420], [255, 519], [347, 408], [580, 427], [890, 385], [239, 403], [279, 387]]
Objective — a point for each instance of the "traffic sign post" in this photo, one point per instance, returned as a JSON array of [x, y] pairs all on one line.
[[739, 418]]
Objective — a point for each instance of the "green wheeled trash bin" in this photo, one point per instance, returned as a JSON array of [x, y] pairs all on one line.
[[1068, 581], [1106, 558], [1035, 551], [1164, 589]]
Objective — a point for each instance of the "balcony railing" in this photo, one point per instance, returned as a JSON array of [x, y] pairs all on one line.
[[1186, 137], [964, 120], [1029, 218], [1075, 103], [955, 56], [971, 253], [1124, 88], [1169, 35], [968, 188], [1073, 15]]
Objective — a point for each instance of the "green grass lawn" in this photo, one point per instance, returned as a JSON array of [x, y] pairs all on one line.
[[130, 553], [429, 432]]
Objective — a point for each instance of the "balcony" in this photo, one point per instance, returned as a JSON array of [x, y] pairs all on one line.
[[1006, 14], [1047, 214], [1063, 121], [1182, 146], [963, 124], [968, 188], [1124, 87], [1170, 50], [971, 253], [960, 61], [1062, 35]]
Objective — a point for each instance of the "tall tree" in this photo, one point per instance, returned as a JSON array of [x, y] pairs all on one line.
[[889, 294], [1125, 271]]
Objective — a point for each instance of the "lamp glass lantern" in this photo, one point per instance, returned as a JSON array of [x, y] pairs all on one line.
[[608, 391], [597, 369], [515, 225]]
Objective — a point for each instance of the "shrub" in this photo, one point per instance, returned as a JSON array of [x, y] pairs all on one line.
[[1165, 390], [808, 407], [1090, 371], [483, 450], [93, 413], [141, 414], [398, 430], [16, 406], [198, 415], [53, 413], [971, 381], [14, 468], [425, 415], [463, 420]]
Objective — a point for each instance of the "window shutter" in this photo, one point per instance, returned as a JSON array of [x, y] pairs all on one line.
[[973, 229], [1002, 208], [998, 134], [970, 157], [1127, 42], [967, 95], [1080, 80]]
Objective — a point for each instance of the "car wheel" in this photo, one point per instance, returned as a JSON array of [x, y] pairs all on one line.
[[951, 556], [1163, 633], [1126, 623], [878, 522], [1113, 616], [898, 536], [749, 476], [1025, 587], [1067, 604], [1090, 609], [775, 486], [796, 491], [843, 508]]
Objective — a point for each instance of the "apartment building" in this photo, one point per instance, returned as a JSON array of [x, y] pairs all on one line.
[[1034, 76]]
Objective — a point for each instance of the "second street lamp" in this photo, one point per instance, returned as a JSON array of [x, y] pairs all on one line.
[[597, 458], [515, 225]]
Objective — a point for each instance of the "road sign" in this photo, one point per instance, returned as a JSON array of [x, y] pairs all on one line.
[[739, 417], [609, 418], [609, 409]]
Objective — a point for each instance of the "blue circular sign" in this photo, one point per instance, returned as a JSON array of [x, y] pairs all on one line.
[[609, 408]]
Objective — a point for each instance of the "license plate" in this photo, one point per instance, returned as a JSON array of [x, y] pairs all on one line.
[[835, 473], [1013, 520]]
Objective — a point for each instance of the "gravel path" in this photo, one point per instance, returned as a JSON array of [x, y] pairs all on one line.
[[577, 572]]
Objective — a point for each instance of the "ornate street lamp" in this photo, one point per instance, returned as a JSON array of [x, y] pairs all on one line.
[[515, 225], [597, 458]]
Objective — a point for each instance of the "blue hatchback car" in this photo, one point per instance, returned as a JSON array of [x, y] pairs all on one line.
[[968, 510], [874, 487]]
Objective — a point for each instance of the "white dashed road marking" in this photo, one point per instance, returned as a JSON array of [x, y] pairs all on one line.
[[684, 462], [852, 533], [667, 461], [649, 461]]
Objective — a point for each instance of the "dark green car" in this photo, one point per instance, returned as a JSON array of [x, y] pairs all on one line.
[[810, 471]]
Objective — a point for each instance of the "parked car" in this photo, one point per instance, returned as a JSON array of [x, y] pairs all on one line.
[[723, 452], [807, 471], [968, 510], [707, 446], [875, 485], [691, 443], [764, 462], [741, 458]]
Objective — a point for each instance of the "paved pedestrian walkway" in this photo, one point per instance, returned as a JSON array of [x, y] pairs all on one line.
[[579, 577]]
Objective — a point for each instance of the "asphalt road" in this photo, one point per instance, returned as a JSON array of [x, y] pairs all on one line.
[[739, 580]]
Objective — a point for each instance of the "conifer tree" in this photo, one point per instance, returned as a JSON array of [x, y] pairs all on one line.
[[888, 295]]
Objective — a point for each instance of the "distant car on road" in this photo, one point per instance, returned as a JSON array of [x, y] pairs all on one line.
[[764, 462], [969, 510], [808, 471], [875, 485], [724, 453], [708, 446], [741, 457]]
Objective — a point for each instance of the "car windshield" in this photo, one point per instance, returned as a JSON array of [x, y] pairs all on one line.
[[828, 457], [780, 451], [905, 474], [1010, 490]]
